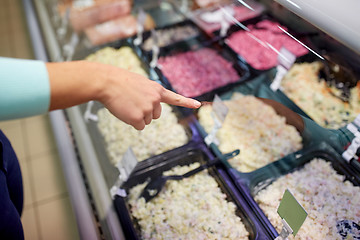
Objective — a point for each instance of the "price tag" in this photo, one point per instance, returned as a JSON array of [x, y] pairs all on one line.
[[116, 189], [219, 112], [351, 151], [129, 161], [88, 115], [280, 73], [211, 137], [292, 213], [80, 4], [225, 25], [352, 128], [69, 48], [55, 14], [62, 30], [140, 27], [212, 17], [125, 167], [347, 155], [184, 6], [155, 49], [357, 121], [219, 108], [285, 60], [226, 18]]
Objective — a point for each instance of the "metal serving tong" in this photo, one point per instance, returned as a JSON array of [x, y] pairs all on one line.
[[153, 188]]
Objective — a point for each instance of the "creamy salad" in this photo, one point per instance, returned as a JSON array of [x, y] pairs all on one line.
[[303, 86], [192, 208], [323, 193], [161, 135], [123, 57], [253, 127]]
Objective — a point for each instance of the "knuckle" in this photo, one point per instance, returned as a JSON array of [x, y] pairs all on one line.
[[157, 86], [137, 117], [148, 109], [160, 89], [157, 98]]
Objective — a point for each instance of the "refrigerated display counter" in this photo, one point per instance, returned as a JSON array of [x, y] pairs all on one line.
[[89, 177]]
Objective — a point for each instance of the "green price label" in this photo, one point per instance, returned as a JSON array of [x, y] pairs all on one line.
[[292, 212]]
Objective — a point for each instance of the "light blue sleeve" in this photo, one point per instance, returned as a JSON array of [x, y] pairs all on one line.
[[24, 88]]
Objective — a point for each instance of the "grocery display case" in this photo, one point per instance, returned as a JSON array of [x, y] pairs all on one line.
[[88, 177]]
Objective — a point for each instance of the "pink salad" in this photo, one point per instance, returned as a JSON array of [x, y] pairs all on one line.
[[259, 46], [194, 73]]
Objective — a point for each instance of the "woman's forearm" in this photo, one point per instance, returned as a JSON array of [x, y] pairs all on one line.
[[73, 83]]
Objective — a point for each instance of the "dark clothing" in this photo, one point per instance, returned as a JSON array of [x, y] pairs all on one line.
[[11, 192]]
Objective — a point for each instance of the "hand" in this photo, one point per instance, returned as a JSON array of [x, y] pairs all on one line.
[[135, 99], [131, 97]]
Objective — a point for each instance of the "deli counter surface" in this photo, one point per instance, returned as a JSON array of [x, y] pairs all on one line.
[[239, 58]]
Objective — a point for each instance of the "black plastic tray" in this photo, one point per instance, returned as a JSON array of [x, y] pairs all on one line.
[[309, 58], [200, 37], [251, 183], [266, 16], [186, 156], [198, 43], [163, 12], [257, 87], [260, 87], [196, 15]]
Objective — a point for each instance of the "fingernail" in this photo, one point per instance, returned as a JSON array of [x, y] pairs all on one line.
[[197, 104]]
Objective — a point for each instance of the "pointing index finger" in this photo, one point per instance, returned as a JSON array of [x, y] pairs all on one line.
[[172, 98]]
